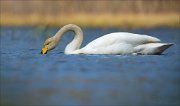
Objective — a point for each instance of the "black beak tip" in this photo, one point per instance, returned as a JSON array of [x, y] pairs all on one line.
[[44, 53]]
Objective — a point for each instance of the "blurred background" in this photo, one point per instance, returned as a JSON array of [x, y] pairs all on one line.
[[95, 13], [30, 78]]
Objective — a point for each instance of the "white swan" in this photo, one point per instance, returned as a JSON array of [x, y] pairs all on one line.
[[113, 43]]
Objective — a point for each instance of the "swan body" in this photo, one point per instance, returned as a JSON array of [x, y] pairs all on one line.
[[113, 43]]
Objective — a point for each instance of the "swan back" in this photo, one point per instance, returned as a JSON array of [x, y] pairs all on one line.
[[122, 37]]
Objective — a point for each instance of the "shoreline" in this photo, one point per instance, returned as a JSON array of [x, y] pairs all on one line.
[[93, 20]]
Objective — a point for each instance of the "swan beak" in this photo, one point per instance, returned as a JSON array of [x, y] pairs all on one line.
[[44, 49]]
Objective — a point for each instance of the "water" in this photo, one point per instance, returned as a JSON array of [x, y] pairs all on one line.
[[27, 77]]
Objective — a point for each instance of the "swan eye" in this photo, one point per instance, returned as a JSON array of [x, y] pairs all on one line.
[[44, 49]]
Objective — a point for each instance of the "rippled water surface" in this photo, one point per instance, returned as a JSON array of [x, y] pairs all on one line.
[[27, 77]]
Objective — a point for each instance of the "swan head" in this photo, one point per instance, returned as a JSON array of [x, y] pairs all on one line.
[[49, 44]]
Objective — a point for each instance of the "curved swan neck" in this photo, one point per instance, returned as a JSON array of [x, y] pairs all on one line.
[[76, 42]]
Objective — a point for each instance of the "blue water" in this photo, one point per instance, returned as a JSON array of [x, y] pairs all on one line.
[[29, 78]]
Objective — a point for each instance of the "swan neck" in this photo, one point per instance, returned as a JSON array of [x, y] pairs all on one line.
[[76, 42]]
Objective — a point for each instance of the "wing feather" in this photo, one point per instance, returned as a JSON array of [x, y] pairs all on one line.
[[121, 37]]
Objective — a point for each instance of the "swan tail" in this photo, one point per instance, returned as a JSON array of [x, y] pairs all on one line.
[[152, 48], [163, 47]]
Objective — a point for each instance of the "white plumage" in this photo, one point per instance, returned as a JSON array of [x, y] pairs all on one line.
[[113, 43], [124, 43]]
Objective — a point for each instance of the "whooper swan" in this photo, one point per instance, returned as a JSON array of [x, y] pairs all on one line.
[[113, 43]]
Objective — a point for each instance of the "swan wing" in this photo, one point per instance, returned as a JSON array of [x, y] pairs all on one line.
[[121, 38]]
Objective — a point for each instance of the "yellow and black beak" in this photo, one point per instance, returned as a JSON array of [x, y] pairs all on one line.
[[44, 49]]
